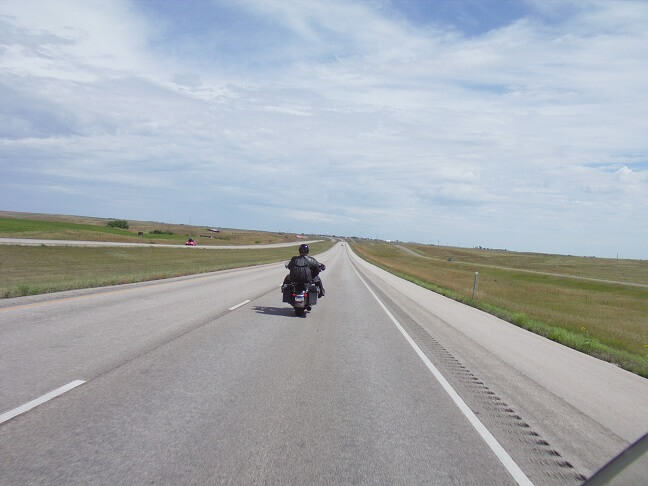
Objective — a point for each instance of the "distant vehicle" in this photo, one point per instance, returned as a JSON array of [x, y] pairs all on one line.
[[190, 242]]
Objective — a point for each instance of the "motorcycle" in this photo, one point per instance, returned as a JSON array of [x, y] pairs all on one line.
[[302, 296]]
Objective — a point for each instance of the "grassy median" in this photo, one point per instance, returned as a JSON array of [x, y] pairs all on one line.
[[571, 300], [30, 270]]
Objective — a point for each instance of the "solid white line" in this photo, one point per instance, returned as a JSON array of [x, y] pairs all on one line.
[[239, 305], [39, 401], [510, 465]]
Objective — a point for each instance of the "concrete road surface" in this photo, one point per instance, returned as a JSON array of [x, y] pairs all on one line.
[[211, 379]]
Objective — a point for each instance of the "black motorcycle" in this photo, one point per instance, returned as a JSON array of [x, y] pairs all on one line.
[[302, 296]]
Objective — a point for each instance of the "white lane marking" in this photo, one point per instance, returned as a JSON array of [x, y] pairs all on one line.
[[239, 305], [510, 465], [39, 401]]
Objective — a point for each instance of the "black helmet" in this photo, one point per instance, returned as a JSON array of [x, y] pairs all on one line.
[[303, 249]]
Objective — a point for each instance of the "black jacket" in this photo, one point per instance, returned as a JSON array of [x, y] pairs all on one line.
[[312, 263]]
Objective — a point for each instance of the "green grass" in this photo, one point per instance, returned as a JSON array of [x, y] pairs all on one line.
[[61, 227], [34, 228], [606, 320], [30, 270]]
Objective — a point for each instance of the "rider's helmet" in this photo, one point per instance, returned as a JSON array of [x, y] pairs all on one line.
[[303, 249]]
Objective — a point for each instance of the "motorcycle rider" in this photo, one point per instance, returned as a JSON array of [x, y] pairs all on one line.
[[304, 260]]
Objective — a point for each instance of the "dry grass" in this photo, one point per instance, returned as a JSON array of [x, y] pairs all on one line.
[[29, 270], [566, 308], [62, 227], [621, 270]]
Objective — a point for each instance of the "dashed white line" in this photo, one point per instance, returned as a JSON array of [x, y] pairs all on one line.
[[506, 460], [239, 305], [39, 401]]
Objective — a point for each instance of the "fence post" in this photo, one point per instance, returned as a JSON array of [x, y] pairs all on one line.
[[475, 284]]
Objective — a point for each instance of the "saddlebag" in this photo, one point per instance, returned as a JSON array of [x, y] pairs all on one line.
[[312, 294], [287, 293]]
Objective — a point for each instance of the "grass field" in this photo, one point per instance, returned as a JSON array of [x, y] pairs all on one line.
[[568, 299], [61, 227], [30, 270]]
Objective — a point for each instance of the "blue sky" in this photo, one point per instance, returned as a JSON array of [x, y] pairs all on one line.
[[495, 123]]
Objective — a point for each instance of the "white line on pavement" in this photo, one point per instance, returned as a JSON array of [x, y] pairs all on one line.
[[239, 305], [39, 401], [510, 465]]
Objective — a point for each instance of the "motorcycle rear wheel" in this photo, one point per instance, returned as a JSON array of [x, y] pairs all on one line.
[[299, 312]]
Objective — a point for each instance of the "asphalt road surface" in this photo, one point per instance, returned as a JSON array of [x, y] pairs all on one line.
[[211, 379]]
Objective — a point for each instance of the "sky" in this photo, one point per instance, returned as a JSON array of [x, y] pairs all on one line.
[[509, 124]]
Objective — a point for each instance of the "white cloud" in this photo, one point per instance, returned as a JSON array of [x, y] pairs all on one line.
[[415, 128]]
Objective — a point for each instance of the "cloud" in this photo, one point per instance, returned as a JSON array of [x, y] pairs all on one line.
[[408, 127]]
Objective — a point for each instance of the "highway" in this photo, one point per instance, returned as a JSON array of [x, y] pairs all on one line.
[[211, 379]]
